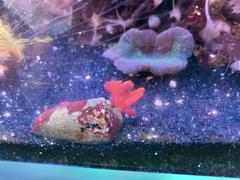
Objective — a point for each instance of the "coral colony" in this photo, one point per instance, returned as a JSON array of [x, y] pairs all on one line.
[[90, 121]]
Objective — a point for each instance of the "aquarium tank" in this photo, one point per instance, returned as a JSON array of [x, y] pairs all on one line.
[[143, 85]]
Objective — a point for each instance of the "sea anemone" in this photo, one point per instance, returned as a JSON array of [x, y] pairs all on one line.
[[144, 50]]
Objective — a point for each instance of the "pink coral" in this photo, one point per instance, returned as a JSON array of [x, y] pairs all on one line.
[[123, 96]]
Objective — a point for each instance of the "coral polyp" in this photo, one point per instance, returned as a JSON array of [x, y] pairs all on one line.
[[10, 46]]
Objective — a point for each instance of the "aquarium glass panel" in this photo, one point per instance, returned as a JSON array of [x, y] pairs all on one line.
[[145, 85]]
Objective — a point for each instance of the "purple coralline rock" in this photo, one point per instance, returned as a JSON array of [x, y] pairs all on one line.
[[145, 50]]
